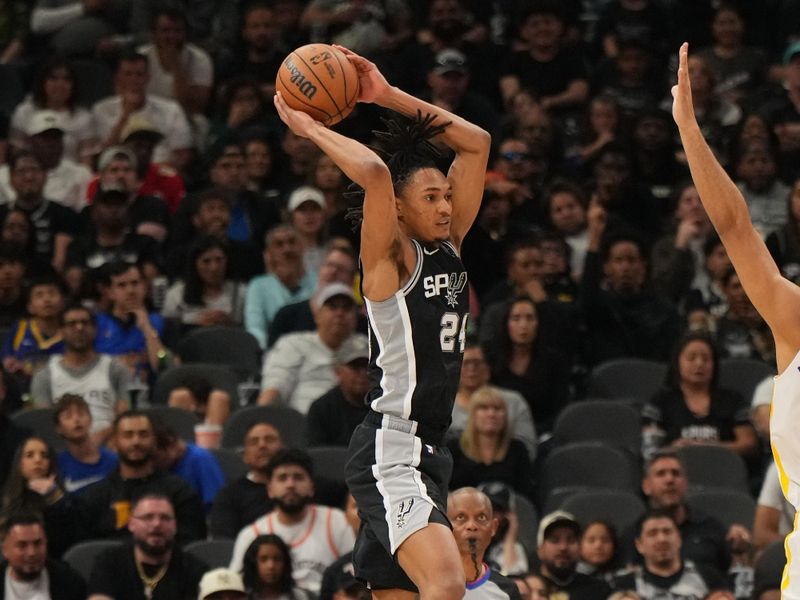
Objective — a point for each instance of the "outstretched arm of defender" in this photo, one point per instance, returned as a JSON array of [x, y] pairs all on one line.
[[380, 229], [470, 143], [775, 298]]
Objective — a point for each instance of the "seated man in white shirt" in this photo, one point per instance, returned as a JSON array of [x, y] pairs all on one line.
[[301, 366], [67, 180], [111, 114], [318, 535], [178, 70]]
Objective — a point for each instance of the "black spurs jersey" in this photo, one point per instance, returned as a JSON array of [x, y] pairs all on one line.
[[417, 340]]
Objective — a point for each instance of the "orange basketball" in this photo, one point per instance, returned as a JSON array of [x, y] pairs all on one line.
[[319, 80]]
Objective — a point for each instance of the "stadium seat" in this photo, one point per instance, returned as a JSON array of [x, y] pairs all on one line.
[[219, 376], [231, 463], [230, 346], [290, 423], [215, 553], [726, 506], [95, 81], [528, 523], [743, 375], [627, 378], [619, 508], [557, 496], [614, 423], [40, 422], [329, 461], [181, 421], [590, 464], [714, 467], [82, 555]]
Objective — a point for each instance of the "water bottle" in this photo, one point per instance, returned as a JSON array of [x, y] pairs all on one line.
[[138, 391]]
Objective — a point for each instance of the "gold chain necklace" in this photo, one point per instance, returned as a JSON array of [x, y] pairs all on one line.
[[150, 583]]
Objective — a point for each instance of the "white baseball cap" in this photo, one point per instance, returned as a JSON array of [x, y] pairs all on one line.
[[220, 580], [305, 193], [45, 120]]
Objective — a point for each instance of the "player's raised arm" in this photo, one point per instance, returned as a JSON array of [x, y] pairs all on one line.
[[364, 167], [775, 298], [470, 143]]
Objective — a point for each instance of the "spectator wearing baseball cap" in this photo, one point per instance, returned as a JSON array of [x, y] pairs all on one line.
[[300, 367], [559, 551], [221, 584], [333, 417], [306, 208], [66, 180]]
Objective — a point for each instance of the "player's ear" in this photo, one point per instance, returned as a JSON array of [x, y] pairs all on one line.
[[399, 208]]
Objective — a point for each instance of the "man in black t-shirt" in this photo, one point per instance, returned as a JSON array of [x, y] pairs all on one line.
[[153, 567], [559, 534], [665, 575]]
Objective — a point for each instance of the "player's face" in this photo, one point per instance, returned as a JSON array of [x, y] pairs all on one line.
[[25, 549], [270, 563], [597, 546], [523, 323], [696, 364], [425, 206], [473, 523], [46, 301], [659, 542], [665, 483], [260, 444], [74, 423], [34, 460], [290, 487]]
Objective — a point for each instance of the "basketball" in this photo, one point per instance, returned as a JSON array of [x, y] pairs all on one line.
[[319, 80]]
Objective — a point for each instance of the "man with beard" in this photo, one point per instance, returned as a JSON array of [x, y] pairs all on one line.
[[317, 535], [26, 570], [153, 566], [623, 317], [300, 367], [474, 525], [244, 500], [101, 382], [286, 282], [665, 575], [559, 535], [105, 508]]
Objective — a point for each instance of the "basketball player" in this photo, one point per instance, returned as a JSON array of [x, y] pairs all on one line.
[[415, 289], [775, 298]]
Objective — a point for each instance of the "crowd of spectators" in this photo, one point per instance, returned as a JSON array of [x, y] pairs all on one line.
[[148, 192]]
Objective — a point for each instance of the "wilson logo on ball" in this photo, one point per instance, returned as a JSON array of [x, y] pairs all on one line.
[[306, 88]]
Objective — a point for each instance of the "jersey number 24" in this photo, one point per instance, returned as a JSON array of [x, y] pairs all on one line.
[[454, 328]]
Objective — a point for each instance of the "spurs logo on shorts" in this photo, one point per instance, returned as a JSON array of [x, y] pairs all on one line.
[[402, 512]]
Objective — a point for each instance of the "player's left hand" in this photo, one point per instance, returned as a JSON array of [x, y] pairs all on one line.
[[299, 122], [682, 107], [373, 85]]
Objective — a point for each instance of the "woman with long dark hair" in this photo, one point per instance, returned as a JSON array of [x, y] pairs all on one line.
[[521, 362], [33, 485], [55, 88], [206, 296], [692, 409], [267, 571], [599, 551]]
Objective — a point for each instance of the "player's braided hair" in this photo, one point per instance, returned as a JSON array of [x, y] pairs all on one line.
[[405, 147]]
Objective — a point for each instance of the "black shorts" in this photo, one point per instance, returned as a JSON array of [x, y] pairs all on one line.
[[399, 482]]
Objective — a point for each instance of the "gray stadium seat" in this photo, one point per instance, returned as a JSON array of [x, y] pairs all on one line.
[[40, 422], [607, 421], [619, 508], [231, 463], [726, 506], [557, 496], [590, 464], [230, 346], [215, 553], [219, 376], [329, 461], [528, 523], [743, 375], [181, 421], [627, 378], [769, 566], [290, 423], [82, 555], [714, 467]]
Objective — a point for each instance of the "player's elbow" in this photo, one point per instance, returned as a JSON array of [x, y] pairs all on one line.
[[374, 172]]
